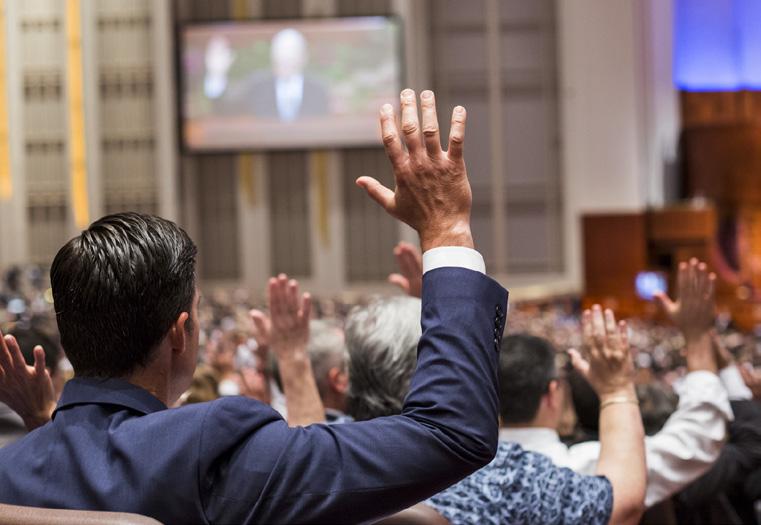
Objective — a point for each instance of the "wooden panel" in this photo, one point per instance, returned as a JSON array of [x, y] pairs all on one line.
[[682, 224], [290, 241], [724, 107], [370, 233], [722, 163], [615, 250], [218, 216]]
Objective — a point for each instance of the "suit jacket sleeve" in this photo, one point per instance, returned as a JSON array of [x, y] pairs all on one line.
[[254, 468]]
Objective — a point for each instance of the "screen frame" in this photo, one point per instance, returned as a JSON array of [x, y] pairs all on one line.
[[180, 28]]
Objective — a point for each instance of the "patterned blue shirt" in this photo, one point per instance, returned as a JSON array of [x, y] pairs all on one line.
[[526, 487]]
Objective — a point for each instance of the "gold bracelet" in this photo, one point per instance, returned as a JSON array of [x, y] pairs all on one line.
[[618, 400]]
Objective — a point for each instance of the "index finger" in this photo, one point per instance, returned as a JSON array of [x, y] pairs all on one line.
[[390, 134], [18, 358]]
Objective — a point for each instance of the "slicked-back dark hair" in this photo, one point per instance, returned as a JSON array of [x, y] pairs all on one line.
[[117, 289], [526, 367]]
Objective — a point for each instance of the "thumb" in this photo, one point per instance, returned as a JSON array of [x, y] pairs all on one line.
[[664, 301], [580, 364], [378, 192], [260, 320], [400, 281]]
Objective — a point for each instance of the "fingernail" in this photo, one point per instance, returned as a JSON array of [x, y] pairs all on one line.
[[426, 94], [408, 95], [387, 109], [459, 109]]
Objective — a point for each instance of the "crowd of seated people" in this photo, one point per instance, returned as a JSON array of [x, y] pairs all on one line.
[[294, 409]]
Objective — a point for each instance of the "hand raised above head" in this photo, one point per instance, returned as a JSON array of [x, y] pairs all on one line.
[[432, 193], [27, 390], [289, 317], [410, 263], [694, 312], [752, 378], [606, 361]]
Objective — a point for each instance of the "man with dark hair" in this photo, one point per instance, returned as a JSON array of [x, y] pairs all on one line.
[[526, 374], [691, 439], [127, 304], [118, 288]]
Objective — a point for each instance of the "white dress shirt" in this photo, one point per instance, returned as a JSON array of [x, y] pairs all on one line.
[[289, 93], [681, 452], [734, 384], [453, 256]]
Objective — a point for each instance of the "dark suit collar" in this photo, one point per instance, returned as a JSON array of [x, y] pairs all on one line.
[[88, 390]]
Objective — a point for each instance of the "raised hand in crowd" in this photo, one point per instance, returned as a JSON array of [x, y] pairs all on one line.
[[262, 329], [27, 390], [410, 263], [694, 313], [606, 363], [432, 192], [752, 379], [288, 340]]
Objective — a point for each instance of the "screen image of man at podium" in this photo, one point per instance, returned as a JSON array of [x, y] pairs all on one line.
[[286, 92]]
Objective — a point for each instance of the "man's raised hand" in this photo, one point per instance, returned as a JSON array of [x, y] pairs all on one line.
[[288, 339], [694, 312], [410, 263], [432, 193], [27, 390], [289, 317], [606, 361]]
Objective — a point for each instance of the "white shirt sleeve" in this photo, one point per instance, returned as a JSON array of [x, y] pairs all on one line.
[[687, 445], [692, 438], [453, 256], [734, 384]]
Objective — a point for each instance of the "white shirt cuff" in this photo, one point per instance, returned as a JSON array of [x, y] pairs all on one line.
[[453, 257], [734, 384]]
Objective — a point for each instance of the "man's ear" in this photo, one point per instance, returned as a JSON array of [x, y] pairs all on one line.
[[177, 334], [339, 381], [554, 397]]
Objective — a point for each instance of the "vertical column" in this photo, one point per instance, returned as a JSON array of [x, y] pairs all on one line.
[[75, 104], [253, 207], [494, 72], [91, 105], [325, 198], [14, 247], [165, 119]]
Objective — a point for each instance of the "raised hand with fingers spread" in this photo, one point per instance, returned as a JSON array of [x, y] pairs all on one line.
[[694, 313], [27, 390], [752, 379], [606, 362], [288, 339], [432, 192], [410, 262], [607, 365]]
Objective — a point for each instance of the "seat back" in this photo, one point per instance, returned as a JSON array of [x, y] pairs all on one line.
[[17, 515]]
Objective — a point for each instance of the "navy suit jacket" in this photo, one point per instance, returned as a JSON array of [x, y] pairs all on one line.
[[113, 446]]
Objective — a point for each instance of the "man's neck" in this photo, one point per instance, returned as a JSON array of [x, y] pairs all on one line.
[[153, 381], [337, 403]]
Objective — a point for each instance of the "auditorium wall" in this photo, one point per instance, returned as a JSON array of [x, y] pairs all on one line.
[[579, 88]]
